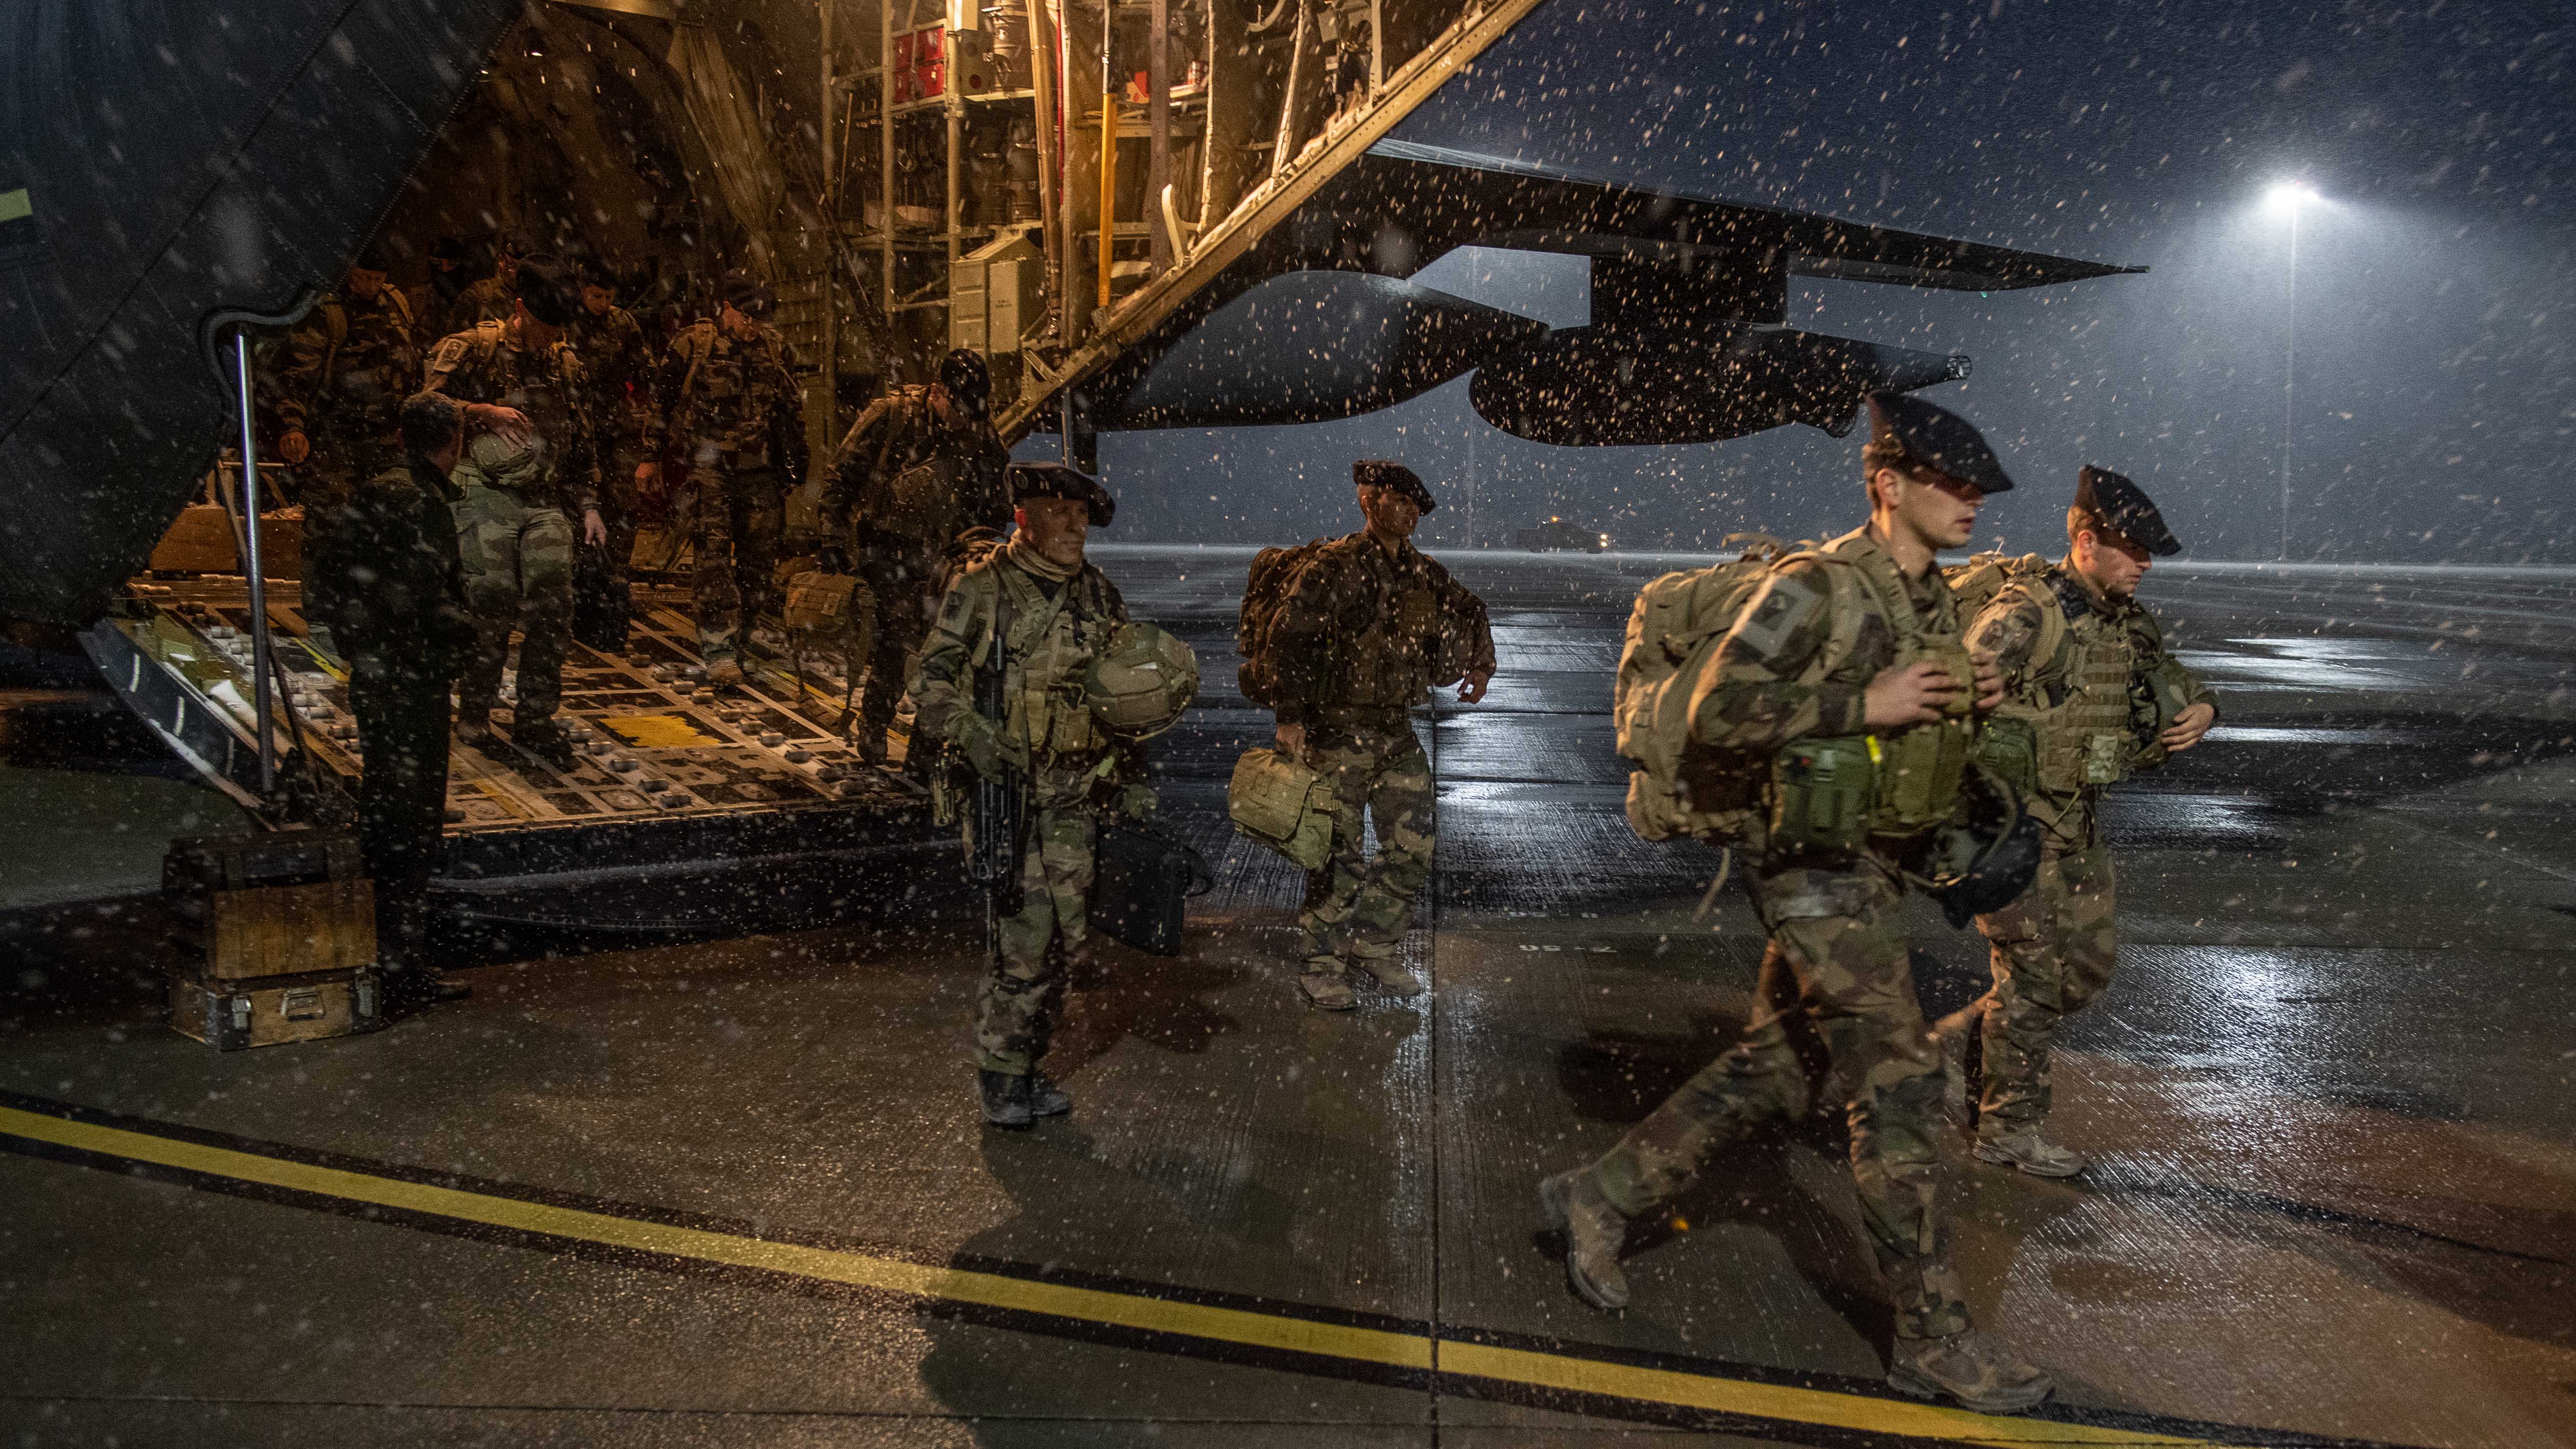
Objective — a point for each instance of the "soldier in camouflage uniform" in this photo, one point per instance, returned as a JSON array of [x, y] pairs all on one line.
[[728, 393], [1857, 643], [489, 299], [2086, 673], [529, 470], [618, 361], [338, 387], [920, 468], [1052, 612], [1369, 627]]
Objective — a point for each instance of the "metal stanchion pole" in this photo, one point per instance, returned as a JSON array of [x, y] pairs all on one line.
[[251, 571]]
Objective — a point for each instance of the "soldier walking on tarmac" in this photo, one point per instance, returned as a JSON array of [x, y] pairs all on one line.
[[728, 393], [920, 468], [1851, 657], [1040, 615], [404, 635], [2088, 679], [1369, 627], [529, 469], [340, 382]]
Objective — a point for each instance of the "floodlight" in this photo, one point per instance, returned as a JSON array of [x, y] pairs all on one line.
[[2287, 196]]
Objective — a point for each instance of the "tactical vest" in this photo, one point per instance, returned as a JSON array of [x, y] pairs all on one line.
[[730, 387], [542, 385], [1388, 665], [1832, 793], [1046, 646], [2087, 737]]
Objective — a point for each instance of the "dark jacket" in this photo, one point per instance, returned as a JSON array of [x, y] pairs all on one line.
[[1375, 632], [406, 594]]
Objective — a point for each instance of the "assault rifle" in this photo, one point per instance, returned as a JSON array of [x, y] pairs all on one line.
[[994, 827]]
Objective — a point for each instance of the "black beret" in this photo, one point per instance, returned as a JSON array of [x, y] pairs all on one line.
[[447, 249], [1381, 473], [2125, 509], [1935, 437], [1059, 480], [746, 293], [968, 380]]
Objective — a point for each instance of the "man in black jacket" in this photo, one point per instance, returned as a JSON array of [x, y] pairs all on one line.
[[406, 634]]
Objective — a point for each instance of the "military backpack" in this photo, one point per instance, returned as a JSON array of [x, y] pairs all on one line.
[[1274, 576]]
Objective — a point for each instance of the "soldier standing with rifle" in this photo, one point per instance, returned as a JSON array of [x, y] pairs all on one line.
[[1846, 675], [1026, 623], [2090, 686], [920, 468]]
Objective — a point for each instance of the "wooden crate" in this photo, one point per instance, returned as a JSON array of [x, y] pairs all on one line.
[[287, 904], [230, 1016]]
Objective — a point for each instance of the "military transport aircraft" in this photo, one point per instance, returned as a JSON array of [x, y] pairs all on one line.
[[1146, 213]]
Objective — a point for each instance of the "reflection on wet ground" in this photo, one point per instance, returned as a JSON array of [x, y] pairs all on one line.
[[2328, 1098]]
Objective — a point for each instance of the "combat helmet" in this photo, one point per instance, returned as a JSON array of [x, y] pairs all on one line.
[[1139, 686], [505, 464], [1984, 862]]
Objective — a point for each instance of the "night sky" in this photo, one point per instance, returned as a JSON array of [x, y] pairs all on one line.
[[2435, 399]]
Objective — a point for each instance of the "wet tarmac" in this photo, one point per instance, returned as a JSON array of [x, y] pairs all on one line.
[[734, 1192]]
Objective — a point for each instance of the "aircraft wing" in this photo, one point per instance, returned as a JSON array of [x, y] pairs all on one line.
[[1686, 342]]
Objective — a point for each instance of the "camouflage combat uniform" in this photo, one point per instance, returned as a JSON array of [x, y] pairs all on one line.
[[1053, 627], [340, 379], [404, 635], [617, 360], [1363, 636], [734, 408], [516, 527], [489, 300], [2090, 705], [907, 486], [1836, 963]]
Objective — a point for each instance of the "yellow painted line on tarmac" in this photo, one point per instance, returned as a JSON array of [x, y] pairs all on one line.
[[1379, 1347]]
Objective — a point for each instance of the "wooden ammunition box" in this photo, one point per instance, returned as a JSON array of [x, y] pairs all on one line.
[[229, 1016], [288, 904]]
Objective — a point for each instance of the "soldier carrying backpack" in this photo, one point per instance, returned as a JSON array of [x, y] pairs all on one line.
[[1342, 639], [1827, 727]]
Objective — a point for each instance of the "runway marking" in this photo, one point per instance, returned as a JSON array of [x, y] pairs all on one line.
[[1463, 1361]]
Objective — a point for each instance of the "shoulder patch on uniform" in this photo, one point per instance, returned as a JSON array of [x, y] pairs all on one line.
[[1787, 602]]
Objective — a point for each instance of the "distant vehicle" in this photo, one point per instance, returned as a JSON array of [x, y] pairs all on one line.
[[1558, 536]]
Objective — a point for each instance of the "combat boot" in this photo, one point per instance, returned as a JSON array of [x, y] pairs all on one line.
[[723, 674], [547, 740], [2032, 1153], [1046, 1098], [1978, 1369], [1326, 990], [1005, 1096], [1391, 976], [1594, 1232], [474, 727]]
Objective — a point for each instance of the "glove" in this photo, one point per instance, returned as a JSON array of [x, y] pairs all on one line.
[[981, 742], [1137, 802]]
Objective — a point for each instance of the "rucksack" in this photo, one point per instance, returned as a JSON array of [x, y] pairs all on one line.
[[1976, 583], [1274, 576], [1680, 788]]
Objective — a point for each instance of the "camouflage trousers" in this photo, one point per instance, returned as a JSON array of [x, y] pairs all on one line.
[[1358, 909], [2054, 952], [899, 577], [620, 505], [1835, 969], [517, 555], [735, 549], [1049, 936]]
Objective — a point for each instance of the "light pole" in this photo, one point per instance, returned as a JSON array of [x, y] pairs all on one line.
[[2291, 197]]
